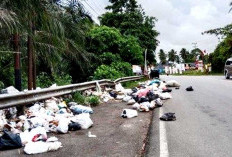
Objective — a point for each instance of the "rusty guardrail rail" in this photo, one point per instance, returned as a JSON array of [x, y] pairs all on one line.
[[23, 98]]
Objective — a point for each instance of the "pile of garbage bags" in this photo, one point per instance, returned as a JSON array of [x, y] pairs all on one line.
[[30, 130], [147, 96]]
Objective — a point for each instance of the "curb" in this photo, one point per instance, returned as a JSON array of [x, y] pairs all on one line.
[[146, 140]]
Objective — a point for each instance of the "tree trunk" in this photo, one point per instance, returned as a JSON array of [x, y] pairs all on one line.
[[17, 70], [17, 67], [30, 62], [34, 70]]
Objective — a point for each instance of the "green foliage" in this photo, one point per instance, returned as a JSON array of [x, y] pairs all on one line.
[[130, 19], [44, 80], [107, 58], [130, 51], [172, 55], [123, 67], [1, 85], [106, 39], [78, 98], [92, 100], [107, 72], [221, 54], [162, 56]]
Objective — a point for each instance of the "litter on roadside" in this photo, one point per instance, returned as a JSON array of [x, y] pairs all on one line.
[[168, 117]]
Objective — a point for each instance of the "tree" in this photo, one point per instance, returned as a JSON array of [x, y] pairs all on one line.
[[130, 19], [162, 56], [184, 55], [172, 55], [105, 39]]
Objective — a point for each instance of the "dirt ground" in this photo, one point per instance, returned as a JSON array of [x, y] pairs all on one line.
[[115, 136]]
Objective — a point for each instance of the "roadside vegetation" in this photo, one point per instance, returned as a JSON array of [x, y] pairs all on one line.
[[51, 41], [132, 84]]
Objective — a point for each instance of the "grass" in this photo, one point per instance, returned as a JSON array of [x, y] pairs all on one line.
[[132, 84], [197, 73]]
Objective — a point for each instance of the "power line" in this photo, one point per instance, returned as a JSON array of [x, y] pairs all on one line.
[[92, 8]]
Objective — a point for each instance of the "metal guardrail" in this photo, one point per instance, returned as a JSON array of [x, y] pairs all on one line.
[[23, 98]]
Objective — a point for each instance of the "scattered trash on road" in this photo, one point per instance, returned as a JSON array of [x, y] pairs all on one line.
[[90, 135], [168, 117], [129, 113], [190, 88]]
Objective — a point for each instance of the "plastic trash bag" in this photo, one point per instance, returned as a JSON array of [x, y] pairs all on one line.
[[143, 92], [73, 126], [10, 141], [168, 117], [41, 147], [9, 90], [151, 96], [63, 126], [126, 98], [167, 90], [164, 96], [136, 106], [159, 102], [84, 120], [78, 109], [51, 105], [129, 113], [143, 99], [113, 94], [131, 102], [173, 83], [143, 107], [154, 81], [27, 136], [190, 88]]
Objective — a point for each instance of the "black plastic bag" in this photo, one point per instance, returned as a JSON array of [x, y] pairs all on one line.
[[190, 88], [113, 94], [134, 90], [74, 126], [135, 97], [151, 96], [10, 141], [168, 117], [143, 99], [167, 90]]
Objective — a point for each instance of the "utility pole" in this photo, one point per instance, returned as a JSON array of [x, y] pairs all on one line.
[[194, 45]]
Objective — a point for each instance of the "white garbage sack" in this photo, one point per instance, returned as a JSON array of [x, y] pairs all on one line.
[[136, 106], [63, 125], [83, 119], [158, 102], [129, 113], [149, 105], [51, 105], [27, 135], [126, 98], [41, 147], [119, 87], [131, 102], [120, 97], [9, 90], [164, 96], [143, 107], [173, 83]]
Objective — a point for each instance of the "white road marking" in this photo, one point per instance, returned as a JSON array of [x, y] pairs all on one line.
[[163, 138]]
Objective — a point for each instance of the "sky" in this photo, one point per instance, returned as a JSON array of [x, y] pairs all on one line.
[[180, 22]]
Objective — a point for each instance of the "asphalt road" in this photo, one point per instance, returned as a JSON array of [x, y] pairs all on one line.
[[203, 127]]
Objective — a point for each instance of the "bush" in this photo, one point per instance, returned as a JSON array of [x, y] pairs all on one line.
[[92, 100], [44, 80], [64, 79], [107, 72], [124, 67], [80, 99]]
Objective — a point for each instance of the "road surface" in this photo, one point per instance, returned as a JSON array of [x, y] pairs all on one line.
[[204, 120]]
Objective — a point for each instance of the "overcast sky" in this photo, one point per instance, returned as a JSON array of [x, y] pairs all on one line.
[[180, 22]]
